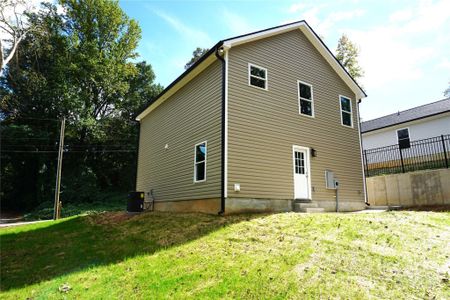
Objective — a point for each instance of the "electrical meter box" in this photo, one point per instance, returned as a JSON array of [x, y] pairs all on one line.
[[330, 181]]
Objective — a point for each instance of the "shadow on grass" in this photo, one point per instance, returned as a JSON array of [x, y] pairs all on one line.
[[31, 255]]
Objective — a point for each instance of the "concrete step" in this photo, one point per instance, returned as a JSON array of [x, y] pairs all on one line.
[[313, 210], [298, 206]]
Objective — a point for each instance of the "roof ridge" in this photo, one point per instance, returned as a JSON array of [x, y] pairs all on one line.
[[402, 111]]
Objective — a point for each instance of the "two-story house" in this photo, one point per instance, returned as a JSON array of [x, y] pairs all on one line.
[[265, 121]]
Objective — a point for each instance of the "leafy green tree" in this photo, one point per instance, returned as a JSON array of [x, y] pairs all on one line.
[[347, 53], [80, 65], [196, 55]]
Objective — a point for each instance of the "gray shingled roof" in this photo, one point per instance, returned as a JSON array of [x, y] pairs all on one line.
[[411, 114]]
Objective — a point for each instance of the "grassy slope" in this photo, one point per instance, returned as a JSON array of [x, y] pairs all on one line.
[[112, 201], [162, 255]]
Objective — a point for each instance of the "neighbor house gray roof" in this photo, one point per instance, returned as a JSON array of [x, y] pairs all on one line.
[[408, 115]]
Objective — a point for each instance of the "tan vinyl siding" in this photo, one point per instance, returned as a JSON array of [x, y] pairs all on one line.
[[264, 125], [190, 116]]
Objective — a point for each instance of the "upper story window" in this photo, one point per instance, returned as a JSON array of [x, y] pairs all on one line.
[[200, 162], [257, 76], [346, 111], [305, 99], [403, 138]]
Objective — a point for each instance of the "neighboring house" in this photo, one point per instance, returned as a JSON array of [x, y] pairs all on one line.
[[418, 123], [253, 126]]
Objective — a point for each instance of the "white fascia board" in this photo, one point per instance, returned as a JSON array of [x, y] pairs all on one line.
[[191, 75], [260, 35]]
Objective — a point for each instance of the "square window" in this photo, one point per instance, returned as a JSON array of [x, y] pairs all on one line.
[[257, 77]]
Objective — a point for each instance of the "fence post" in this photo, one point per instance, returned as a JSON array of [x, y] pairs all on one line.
[[445, 151], [365, 162], [401, 159]]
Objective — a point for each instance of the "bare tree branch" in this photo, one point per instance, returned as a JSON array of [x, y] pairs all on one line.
[[14, 26]]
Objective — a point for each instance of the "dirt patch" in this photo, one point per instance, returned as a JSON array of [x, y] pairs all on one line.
[[111, 218]]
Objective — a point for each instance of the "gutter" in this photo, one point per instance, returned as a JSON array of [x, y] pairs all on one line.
[[222, 154], [137, 153], [366, 199]]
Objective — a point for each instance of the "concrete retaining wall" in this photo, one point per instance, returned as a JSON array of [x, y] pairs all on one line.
[[429, 187]]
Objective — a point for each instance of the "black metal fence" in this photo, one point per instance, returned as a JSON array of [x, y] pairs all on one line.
[[431, 153]]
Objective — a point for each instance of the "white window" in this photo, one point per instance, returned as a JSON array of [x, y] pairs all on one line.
[[346, 111], [403, 138], [200, 162], [257, 76], [305, 99]]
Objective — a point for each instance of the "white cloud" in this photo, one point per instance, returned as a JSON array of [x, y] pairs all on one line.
[[296, 7], [323, 25], [236, 24], [385, 57], [445, 64], [194, 36], [401, 15], [401, 49]]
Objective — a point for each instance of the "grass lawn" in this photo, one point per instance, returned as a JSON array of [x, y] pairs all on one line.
[[403, 255], [112, 201]]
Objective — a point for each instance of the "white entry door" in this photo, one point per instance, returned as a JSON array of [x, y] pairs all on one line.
[[301, 173]]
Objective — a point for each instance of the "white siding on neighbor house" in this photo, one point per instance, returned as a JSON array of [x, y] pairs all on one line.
[[418, 129]]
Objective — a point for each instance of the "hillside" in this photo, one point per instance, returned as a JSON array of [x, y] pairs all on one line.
[[278, 256]]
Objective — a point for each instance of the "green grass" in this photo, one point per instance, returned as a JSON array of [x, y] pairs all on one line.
[[109, 202], [388, 255]]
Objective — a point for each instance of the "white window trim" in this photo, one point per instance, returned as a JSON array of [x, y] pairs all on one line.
[[265, 79], [195, 162], [396, 134], [300, 98], [341, 110], [308, 165]]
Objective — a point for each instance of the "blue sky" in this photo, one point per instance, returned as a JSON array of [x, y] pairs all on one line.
[[404, 45]]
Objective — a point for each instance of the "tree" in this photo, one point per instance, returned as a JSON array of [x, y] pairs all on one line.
[[347, 53], [196, 55], [79, 65], [447, 91], [13, 28]]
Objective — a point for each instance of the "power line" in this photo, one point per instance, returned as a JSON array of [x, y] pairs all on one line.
[[26, 138], [38, 119], [68, 151]]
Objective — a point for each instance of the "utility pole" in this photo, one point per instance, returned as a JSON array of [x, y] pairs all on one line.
[[57, 206]]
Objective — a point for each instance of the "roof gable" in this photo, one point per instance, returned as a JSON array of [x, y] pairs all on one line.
[[226, 44]]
